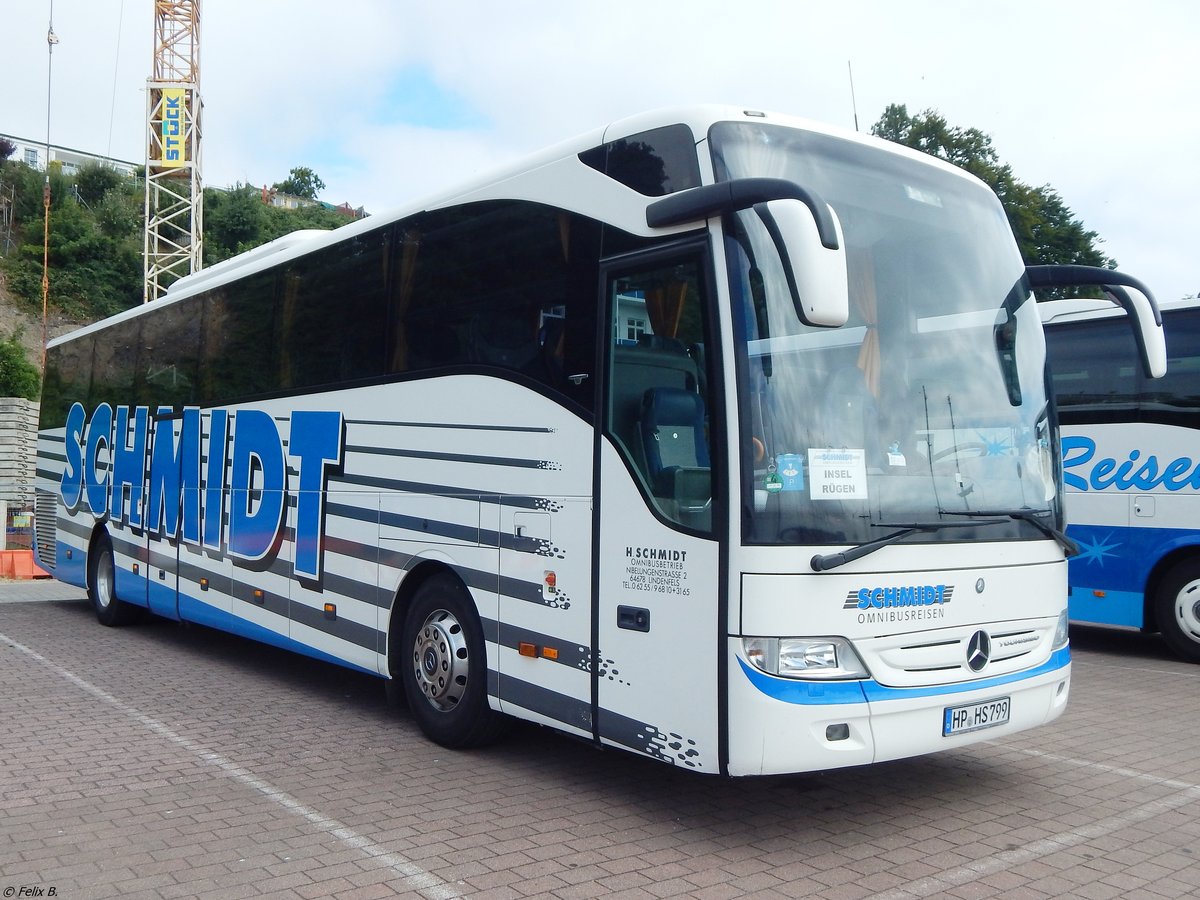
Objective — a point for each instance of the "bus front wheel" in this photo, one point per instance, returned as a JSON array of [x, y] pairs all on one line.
[[1178, 602], [101, 582], [444, 667]]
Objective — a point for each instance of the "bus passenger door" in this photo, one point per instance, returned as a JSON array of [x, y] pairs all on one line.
[[658, 561]]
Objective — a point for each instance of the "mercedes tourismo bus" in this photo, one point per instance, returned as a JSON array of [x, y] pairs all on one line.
[[715, 435], [1131, 466]]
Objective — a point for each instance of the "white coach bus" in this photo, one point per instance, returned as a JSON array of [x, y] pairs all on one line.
[[1131, 467], [714, 435]]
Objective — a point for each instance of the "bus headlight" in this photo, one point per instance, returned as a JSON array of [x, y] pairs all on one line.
[[823, 657], [1061, 634]]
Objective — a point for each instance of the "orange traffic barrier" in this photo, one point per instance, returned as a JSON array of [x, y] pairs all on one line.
[[20, 564]]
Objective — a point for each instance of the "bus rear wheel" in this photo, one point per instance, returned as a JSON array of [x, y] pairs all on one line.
[[444, 667], [101, 581], [1178, 608]]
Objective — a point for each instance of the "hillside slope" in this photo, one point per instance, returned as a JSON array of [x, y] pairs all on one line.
[[15, 318]]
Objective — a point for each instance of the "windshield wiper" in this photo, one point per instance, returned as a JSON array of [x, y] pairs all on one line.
[[825, 562], [1025, 515]]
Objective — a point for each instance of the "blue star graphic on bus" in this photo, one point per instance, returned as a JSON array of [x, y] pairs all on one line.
[[1098, 550], [994, 446]]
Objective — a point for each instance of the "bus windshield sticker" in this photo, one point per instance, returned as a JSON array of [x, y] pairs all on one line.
[[837, 474]]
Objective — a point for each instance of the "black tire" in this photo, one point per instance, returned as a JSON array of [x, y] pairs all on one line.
[[101, 581], [1177, 603], [443, 667]]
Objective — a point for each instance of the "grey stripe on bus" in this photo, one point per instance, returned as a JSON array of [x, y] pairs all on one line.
[[505, 461], [223, 585], [70, 526], [439, 490], [524, 429], [335, 585], [570, 653], [635, 734], [640, 736], [422, 526], [560, 707], [367, 592]]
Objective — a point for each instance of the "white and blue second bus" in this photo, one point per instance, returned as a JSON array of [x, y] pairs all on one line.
[[715, 435], [1131, 467]]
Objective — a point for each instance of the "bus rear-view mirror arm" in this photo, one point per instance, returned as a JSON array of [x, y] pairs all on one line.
[[1139, 303], [805, 230]]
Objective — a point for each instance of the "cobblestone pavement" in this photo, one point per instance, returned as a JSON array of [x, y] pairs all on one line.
[[165, 761]]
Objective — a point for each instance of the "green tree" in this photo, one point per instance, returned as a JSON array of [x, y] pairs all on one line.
[[94, 180], [301, 182], [1046, 230], [18, 376], [96, 235], [237, 220], [233, 222], [94, 272]]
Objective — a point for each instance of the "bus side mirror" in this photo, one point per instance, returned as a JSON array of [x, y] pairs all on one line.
[[816, 272], [1147, 328], [1139, 304]]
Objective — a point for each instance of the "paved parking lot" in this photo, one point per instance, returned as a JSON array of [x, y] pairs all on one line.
[[164, 761]]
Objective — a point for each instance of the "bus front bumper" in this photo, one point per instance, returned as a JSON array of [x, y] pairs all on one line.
[[780, 725]]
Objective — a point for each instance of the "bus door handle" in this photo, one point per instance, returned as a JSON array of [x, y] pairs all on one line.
[[634, 618]]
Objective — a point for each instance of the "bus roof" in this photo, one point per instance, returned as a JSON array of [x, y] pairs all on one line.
[[1057, 312]]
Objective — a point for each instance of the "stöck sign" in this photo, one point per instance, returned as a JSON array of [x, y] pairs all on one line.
[[174, 127]]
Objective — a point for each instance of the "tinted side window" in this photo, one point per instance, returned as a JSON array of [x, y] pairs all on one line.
[[508, 286], [67, 380], [116, 364], [1179, 389], [170, 360], [240, 340], [333, 313], [656, 162], [1093, 365]]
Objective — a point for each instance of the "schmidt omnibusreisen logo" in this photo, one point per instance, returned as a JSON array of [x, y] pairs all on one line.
[[899, 596]]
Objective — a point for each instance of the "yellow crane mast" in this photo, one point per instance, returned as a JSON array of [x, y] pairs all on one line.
[[174, 190]]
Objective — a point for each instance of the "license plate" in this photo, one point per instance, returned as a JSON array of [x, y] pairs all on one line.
[[961, 719]]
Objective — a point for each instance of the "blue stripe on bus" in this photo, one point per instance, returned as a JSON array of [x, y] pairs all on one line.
[[1118, 560], [71, 564], [1114, 608], [816, 693]]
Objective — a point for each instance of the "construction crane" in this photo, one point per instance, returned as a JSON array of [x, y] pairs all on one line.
[[174, 190]]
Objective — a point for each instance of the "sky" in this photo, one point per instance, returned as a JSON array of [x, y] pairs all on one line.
[[389, 100]]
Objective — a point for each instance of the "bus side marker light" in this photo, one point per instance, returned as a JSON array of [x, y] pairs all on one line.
[[527, 649], [331, 610], [204, 584], [259, 596], [1100, 594], [550, 653], [136, 568]]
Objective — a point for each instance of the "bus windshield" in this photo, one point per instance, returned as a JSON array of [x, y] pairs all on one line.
[[931, 402]]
